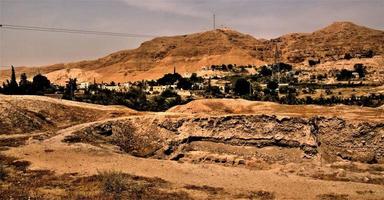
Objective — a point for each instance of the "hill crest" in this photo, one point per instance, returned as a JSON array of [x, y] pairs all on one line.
[[188, 53]]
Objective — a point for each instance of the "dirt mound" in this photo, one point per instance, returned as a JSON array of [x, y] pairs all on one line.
[[215, 106], [240, 106], [188, 53], [25, 114]]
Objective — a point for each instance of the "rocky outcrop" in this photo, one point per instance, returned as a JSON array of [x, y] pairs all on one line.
[[182, 137]]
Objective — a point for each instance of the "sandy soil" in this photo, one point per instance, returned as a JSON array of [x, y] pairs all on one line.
[[240, 106], [52, 153]]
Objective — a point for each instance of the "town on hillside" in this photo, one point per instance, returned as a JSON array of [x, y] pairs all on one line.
[[278, 82]]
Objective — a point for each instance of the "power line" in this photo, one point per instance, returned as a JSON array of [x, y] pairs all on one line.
[[73, 31]]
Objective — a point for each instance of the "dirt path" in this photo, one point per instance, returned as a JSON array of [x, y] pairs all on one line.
[[53, 154]]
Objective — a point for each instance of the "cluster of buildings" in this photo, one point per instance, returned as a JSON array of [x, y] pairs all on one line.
[[223, 85], [151, 87]]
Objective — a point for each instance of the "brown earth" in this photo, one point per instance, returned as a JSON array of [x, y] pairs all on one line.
[[188, 53], [241, 106], [28, 114], [211, 149], [331, 42]]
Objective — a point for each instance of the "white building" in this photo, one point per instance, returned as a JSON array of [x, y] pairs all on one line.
[[161, 88], [84, 85]]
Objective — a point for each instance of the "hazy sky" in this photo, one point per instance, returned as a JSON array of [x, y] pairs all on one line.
[[260, 18]]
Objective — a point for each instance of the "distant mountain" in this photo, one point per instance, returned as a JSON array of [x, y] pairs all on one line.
[[331, 43], [188, 53]]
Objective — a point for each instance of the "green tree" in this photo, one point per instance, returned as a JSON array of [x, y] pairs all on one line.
[[265, 71], [242, 87], [12, 85], [136, 98], [169, 79], [273, 85], [184, 84], [196, 79], [40, 83], [25, 85], [360, 69], [70, 88], [344, 75]]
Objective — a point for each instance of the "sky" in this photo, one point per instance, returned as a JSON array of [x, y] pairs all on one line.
[[260, 18]]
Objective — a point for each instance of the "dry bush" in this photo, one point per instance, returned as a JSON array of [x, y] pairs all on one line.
[[3, 172], [13, 142], [21, 183], [124, 186], [261, 195], [332, 196], [113, 182], [205, 188]]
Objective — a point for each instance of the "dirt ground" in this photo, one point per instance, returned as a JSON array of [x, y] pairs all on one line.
[[207, 149]]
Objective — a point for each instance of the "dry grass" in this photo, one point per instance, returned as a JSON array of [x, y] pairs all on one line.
[[124, 186], [13, 142], [332, 196], [205, 188], [113, 182], [17, 182], [260, 195]]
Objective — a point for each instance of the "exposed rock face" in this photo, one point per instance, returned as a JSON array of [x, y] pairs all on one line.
[[216, 139], [361, 142]]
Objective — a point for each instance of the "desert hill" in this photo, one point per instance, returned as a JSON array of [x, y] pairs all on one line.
[[331, 43], [188, 53]]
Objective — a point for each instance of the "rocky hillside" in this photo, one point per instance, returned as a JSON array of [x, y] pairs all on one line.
[[332, 43], [188, 53]]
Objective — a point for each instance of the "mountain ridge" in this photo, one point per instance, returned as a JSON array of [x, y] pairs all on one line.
[[188, 53]]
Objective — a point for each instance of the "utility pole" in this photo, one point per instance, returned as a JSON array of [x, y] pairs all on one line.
[[214, 21], [276, 63], [1, 40]]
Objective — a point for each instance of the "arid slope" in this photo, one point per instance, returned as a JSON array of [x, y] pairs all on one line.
[[188, 53], [26, 114]]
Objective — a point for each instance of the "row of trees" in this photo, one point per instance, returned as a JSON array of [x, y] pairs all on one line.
[[38, 86], [346, 75], [181, 82], [136, 98], [289, 95]]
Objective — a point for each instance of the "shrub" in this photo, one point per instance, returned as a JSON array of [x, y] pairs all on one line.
[[347, 56], [344, 75], [360, 69], [113, 182], [3, 172], [313, 62]]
